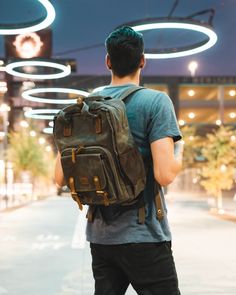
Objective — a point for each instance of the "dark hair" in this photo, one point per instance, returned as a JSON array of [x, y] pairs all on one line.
[[125, 48]]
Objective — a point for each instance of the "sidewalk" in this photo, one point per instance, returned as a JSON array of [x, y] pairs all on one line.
[[43, 240], [228, 212]]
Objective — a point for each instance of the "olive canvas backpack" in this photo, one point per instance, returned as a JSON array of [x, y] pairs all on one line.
[[100, 160]]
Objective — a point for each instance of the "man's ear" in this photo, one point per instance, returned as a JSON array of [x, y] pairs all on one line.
[[142, 62], [108, 62]]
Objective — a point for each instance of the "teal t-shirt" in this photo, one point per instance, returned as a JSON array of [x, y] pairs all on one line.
[[151, 117]]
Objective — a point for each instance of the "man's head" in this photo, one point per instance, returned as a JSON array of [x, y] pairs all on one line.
[[125, 51]]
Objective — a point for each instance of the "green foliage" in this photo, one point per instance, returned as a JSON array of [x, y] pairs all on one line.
[[192, 146], [27, 154], [218, 169]]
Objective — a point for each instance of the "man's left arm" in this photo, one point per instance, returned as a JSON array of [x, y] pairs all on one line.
[[59, 175]]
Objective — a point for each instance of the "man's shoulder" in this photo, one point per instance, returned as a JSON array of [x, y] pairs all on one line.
[[153, 93], [152, 97]]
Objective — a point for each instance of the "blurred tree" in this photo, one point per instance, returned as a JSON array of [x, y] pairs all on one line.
[[192, 147], [28, 155], [219, 152]]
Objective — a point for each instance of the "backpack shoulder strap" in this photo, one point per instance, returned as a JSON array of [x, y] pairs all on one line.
[[129, 91]]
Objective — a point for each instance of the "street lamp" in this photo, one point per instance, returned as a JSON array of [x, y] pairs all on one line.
[[4, 109], [193, 65]]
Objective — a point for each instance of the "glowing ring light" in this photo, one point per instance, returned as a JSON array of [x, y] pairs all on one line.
[[28, 95], [30, 27], [174, 23], [100, 88], [65, 70], [48, 130], [41, 114]]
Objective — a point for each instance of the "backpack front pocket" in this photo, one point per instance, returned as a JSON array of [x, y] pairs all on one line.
[[91, 173]]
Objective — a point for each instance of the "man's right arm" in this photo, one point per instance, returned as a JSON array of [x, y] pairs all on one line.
[[166, 166]]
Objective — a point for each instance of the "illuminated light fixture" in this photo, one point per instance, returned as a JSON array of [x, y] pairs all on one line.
[[33, 133], [223, 168], [65, 70], [3, 84], [1, 62], [28, 95], [51, 124], [232, 92], [181, 122], [191, 115], [42, 140], [191, 92], [31, 26], [191, 137], [99, 88], [4, 108], [3, 89], [232, 115], [218, 122], [193, 65], [48, 130], [189, 24], [24, 124], [195, 180], [27, 85], [28, 45], [48, 148], [41, 114], [233, 137]]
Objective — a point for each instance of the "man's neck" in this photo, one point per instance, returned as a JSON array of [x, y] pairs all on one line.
[[117, 81]]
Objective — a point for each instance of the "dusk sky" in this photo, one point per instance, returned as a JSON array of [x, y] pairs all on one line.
[[82, 23]]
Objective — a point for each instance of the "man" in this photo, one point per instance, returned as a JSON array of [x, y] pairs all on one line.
[[123, 251]]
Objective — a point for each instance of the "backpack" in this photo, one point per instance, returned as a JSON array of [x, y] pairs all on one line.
[[100, 160]]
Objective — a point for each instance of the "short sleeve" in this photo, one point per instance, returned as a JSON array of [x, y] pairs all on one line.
[[162, 119]]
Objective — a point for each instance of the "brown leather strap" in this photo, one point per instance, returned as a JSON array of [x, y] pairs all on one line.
[[90, 213], [74, 193], [159, 207], [141, 215], [67, 130], [97, 183], [73, 155]]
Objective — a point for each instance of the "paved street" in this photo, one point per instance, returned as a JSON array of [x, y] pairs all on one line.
[[43, 252]]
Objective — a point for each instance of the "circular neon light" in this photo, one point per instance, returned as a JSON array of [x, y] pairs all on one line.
[[65, 70], [100, 88], [31, 26], [48, 130], [157, 24], [28, 95], [41, 114]]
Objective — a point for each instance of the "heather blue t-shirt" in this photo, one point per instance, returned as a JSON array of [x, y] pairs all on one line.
[[151, 117]]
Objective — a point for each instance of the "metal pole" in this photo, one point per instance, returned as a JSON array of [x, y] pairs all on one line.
[[221, 103], [5, 140]]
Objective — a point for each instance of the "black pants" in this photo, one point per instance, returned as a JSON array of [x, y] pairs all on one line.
[[148, 267]]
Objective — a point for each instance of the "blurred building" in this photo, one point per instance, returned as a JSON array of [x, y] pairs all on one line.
[[197, 100], [21, 47]]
